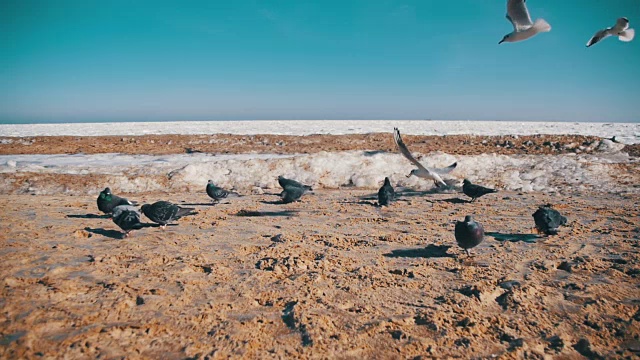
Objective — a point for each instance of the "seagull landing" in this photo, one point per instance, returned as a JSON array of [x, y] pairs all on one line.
[[620, 29], [422, 171], [523, 27]]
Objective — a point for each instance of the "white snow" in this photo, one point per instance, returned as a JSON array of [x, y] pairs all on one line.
[[628, 133]]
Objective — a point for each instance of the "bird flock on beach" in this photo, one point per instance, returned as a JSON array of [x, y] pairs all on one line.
[[468, 233]]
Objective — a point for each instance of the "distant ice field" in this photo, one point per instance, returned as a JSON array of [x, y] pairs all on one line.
[[628, 133]]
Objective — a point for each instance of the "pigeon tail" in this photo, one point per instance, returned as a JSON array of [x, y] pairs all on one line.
[[541, 25], [185, 211], [627, 35]]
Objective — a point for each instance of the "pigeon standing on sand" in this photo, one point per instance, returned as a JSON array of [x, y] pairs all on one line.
[[218, 193], [475, 191], [107, 201], [421, 171], [127, 218], [548, 220], [620, 29], [292, 190], [163, 212], [386, 193], [523, 27], [469, 233]]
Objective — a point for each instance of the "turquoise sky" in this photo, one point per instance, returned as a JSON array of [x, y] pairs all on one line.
[[223, 60]]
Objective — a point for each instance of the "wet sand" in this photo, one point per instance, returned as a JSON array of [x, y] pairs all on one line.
[[329, 277]]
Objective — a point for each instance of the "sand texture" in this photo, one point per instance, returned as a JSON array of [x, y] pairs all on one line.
[[331, 276]]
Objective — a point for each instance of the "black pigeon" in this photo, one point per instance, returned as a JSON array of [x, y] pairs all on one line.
[[475, 191], [469, 233], [548, 220], [107, 201], [291, 194], [284, 182], [127, 218], [218, 193], [386, 193], [163, 212]]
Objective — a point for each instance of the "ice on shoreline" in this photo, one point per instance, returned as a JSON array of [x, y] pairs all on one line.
[[628, 133], [244, 172]]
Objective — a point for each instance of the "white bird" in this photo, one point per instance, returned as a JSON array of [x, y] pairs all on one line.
[[523, 27], [422, 171], [620, 29]]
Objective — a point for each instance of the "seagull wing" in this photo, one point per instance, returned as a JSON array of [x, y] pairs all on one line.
[[445, 170], [622, 24], [405, 151], [518, 14], [599, 36]]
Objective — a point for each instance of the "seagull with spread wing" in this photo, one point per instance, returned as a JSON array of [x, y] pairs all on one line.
[[422, 171], [523, 27], [620, 29]]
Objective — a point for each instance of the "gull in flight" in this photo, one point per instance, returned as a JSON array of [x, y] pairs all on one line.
[[523, 27], [620, 29], [422, 171]]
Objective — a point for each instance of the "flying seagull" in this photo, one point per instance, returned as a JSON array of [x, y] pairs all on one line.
[[218, 193], [523, 28], [469, 233], [421, 171], [127, 218], [620, 29], [548, 220], [163, 212], [386, 193], [475, 191], [107, 201]]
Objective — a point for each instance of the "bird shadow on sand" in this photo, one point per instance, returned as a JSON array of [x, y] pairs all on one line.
[[453, 201], [374, 152], [114, 234], [202, 204], [88, 216], [363, 202], [528, 238], [252, 213], [431, 251]]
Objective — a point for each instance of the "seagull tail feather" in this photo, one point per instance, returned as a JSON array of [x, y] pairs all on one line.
[[627, 35], [541, 25]]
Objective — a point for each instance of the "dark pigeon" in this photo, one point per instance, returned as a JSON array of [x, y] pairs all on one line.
[[548, 220], [163, 212], [218, 193], [475, 191], [127, 218], [469, 233], [386, 193], [107, 201], [292, 194], [284, 182]]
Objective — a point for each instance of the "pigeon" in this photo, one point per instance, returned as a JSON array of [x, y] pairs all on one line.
[[421, 171], [107, 201], [469, 233], [163, 212], [548, 220], [284, 182], [523, 28], [620, 29], [218, 193], [127, 218], [386, 193], [475, 191]]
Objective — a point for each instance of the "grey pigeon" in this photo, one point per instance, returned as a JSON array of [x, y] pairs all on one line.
[[548, 220], [107, 201], [475, 191], [386, 193], [127, 218], [291, 194], [284, 182], [620, 29], [218, 193], [469, 233], [163, 212]]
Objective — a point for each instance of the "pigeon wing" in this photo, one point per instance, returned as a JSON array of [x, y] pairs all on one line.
[[518, 14]]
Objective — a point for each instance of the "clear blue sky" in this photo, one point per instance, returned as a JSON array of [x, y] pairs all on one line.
[[326, 59]]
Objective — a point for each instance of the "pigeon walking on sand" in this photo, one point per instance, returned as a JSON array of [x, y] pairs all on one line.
[[107, 201], [475, 191], [127, 218], [164, 212], [469, 233], [523, 27], [620, 29], [422, 171], [386, 193], [292, 190], [218, 193], [548, 220]]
